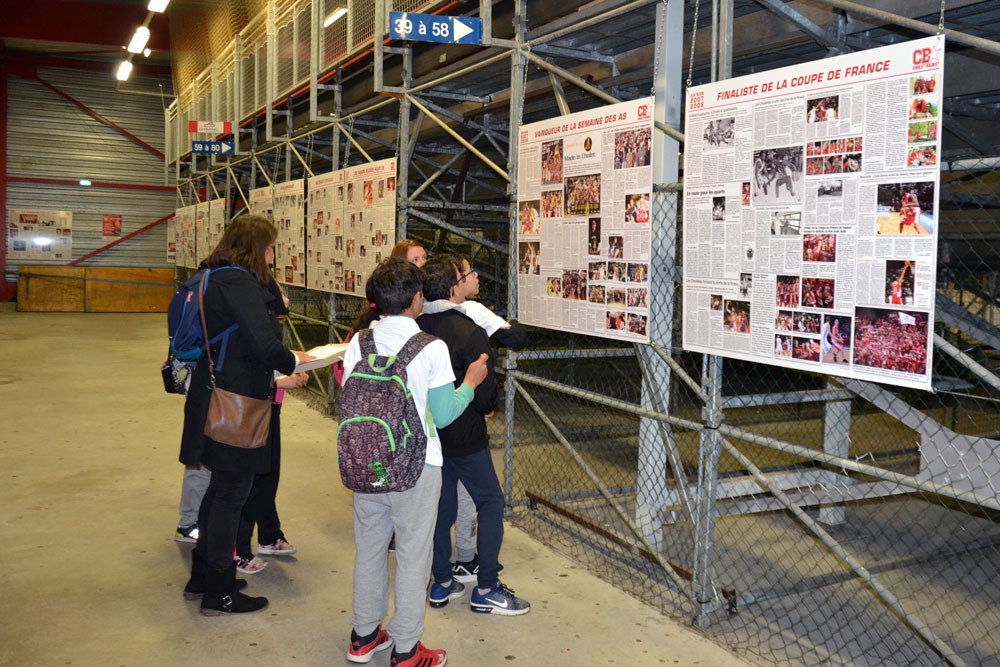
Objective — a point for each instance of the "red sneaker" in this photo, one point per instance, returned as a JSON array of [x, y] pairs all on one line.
[[419, 657], [363, 652]]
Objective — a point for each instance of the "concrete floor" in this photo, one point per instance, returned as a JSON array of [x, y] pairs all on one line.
[[92, 576]]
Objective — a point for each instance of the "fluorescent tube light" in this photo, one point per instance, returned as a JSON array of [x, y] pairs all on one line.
[[158, 6], [124, 70], [334, 17], [84, 181], [139, 40]]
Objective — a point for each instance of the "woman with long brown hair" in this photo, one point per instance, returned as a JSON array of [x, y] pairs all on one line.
[[244, 363]]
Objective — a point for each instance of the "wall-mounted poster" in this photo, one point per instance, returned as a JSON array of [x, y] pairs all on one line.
[[185, 236], [811, 214], [290, 247], [39, 235], [325, 229], [369, 224], [585, 185], [111, 226]]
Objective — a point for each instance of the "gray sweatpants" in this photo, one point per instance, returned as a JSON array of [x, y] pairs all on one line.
[[412, 515], [192, 491], [465, 526]]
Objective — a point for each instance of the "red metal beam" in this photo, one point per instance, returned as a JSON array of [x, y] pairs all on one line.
[[121, 240], [90, 112], [94, 184]]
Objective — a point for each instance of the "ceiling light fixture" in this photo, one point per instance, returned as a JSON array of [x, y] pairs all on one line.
[[124, 70], [158, 6], [84, 181], [146, 52], [334, 17], [139, 40]]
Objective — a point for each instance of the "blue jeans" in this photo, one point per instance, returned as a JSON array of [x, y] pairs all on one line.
[[477, 474]]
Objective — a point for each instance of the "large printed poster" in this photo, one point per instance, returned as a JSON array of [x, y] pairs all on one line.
[[325, 230], [290, 248], [262, 202], [584, 188], [216, 223], [811, 214], [185, 236], [39, 235], [202, 232], [370, 223]]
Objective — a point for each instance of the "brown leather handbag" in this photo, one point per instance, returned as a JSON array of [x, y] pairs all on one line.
[[233, 419]]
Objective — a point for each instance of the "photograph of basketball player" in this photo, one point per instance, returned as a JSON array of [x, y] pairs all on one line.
[[835, 340], [906, 208], [899, 283]]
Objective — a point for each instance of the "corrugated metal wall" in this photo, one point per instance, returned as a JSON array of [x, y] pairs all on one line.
[[51, 138]]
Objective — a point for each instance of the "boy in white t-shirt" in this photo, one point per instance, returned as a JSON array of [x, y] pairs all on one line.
[[396, 290]]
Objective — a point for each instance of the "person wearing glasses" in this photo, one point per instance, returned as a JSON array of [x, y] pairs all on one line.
[[448, 282]]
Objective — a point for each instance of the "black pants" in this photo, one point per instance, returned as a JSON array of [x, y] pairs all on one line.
[[219, 516], [260, 507]]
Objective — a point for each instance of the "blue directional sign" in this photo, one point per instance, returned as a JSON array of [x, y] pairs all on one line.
[[431, 28], [212, 147]]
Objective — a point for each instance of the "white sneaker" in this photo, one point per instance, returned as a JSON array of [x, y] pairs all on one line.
[[279, 548], [250, 565]]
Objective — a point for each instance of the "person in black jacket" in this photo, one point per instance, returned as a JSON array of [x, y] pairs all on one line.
[[465, 445], [252, 353]]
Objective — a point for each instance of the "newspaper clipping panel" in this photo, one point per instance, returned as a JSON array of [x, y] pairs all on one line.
[[584, 196], [351, 225], [811, 214]]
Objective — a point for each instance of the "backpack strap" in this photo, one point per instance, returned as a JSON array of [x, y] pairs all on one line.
[[413, 346], [366, 342], [224, 336]]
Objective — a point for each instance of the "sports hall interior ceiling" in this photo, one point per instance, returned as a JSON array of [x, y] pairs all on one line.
[[615, 54]]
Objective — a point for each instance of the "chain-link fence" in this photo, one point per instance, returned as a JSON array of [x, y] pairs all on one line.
[[798, 519]]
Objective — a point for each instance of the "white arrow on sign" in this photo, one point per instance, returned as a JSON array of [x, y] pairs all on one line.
[[459, 29]]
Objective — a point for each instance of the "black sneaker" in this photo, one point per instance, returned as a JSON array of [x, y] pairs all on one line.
[[467, 572], [189, 534]]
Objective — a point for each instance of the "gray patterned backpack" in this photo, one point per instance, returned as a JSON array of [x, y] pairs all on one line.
[[381, 442]]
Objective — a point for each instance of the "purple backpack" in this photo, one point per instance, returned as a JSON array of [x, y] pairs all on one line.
[[381, 444]]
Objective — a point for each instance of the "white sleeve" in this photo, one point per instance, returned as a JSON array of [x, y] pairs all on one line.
[[438, 360], [483, 316], [351, 357]]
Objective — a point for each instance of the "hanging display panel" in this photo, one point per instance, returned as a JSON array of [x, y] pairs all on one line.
[[583, 230], [325, 230], [370, 224], [811, 214], [290, 218], [185, 236]]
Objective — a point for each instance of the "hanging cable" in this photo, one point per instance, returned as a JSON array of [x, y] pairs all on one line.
[[941, 20], [694, 35]]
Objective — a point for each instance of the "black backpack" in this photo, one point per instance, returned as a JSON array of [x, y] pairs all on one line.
[[381, 444]]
